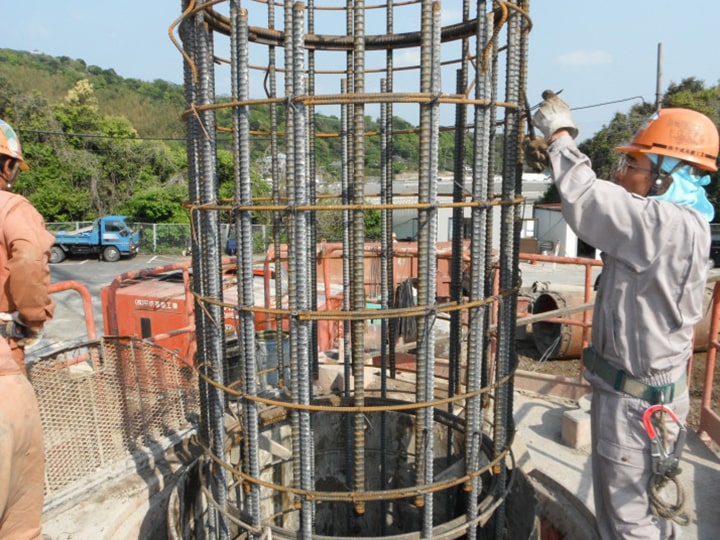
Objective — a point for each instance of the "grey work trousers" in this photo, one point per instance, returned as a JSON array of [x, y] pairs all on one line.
[[622, 466]]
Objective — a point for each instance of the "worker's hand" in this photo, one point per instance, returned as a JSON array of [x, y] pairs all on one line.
[[535, 153], [17, 330], [553, 115]]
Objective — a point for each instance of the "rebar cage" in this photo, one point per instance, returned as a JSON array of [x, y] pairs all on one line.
[[404, 406]]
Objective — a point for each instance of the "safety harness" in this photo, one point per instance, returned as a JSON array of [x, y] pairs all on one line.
[[12, 327], [665, 463], [622, 382]]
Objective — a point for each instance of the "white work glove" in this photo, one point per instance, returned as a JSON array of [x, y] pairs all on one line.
[[554, 114]]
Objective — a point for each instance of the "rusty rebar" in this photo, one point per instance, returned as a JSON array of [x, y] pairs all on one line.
[[480, 363]]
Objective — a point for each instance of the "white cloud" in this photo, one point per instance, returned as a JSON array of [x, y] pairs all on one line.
[[408, 57], [450, 15], [585, 58]]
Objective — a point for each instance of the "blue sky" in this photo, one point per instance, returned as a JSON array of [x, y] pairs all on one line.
[[596, 52]]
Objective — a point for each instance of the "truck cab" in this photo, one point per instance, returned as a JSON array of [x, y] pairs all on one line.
[[109, 237]]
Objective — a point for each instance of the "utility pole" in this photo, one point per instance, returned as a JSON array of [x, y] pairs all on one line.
[[658, 87]]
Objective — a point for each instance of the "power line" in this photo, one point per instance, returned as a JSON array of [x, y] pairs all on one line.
[[608, 103], [603, 104], [98, 135], [177, 139]]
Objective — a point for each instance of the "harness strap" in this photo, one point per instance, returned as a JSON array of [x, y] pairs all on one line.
[[622, 382]]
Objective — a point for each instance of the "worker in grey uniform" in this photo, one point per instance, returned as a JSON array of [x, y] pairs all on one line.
[[651, 224]]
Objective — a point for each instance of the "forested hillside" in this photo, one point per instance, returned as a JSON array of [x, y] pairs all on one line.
[[98, 143], [153, 108]]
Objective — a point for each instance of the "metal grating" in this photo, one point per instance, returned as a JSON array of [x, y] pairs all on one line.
[[102, 401]]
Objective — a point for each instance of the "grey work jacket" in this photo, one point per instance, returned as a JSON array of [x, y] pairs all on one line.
[[656, 260]]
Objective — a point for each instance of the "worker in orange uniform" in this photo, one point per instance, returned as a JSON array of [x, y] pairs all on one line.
[[652, 226], [25, 245], [24, 307]]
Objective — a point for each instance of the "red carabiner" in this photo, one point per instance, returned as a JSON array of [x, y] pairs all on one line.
[[663, 462], [648, 416]]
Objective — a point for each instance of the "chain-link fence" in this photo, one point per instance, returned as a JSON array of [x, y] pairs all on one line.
[[173, 238]]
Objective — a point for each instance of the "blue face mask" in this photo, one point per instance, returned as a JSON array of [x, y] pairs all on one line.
[[686, 188]]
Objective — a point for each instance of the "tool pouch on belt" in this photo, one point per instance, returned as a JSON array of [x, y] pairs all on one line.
[[620, 380]]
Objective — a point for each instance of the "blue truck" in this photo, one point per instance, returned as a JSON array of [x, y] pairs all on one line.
[[109, 237]]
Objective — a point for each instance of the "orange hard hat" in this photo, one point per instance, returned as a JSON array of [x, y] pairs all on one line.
[[684, 134], [10, 145]]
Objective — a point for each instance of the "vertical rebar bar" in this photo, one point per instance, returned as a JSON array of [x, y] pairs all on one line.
[[312, 175], [295, 281], [243, 221], [509, 240], [386, 289], [188, 32], [483, 129], [389, 178], [299, 253], [206, 281], [345, 138], [427, 250], [458, 221], [277, 184], [357, 257]]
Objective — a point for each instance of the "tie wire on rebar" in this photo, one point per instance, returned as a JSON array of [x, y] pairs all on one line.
[[294, 204]]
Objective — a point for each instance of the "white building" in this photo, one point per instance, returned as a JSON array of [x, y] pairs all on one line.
[[540, 230]]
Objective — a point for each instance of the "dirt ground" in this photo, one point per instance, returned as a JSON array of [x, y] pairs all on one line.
[[530, 360]]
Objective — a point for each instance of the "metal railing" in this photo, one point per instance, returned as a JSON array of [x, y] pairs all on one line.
[[106, 401], [710, 419], [709, 423]]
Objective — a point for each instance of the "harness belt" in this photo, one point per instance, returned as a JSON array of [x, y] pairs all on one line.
[[621, 381]]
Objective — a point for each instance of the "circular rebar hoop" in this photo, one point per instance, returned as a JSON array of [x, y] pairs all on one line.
[[388, 250]]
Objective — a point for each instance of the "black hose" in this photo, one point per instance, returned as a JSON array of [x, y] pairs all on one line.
[[404, 298]]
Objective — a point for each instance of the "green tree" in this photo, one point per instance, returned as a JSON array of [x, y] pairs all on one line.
[[157, 205]]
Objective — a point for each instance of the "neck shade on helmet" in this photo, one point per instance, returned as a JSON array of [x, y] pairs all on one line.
[[686, 188]]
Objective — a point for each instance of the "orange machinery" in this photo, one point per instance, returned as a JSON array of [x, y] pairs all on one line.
[[158, 304]]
